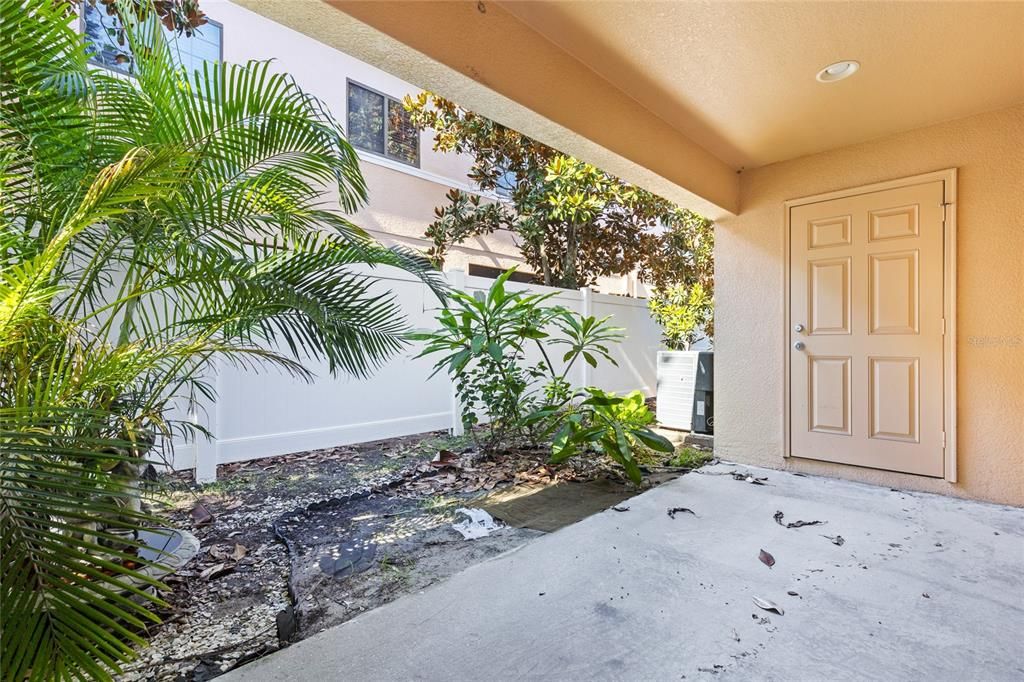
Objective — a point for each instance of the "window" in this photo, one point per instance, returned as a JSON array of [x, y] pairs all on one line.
[[380, 124], [104, 42], [493, 273], [506, 184]]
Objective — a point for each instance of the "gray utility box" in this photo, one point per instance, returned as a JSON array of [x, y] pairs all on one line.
[[703, 394]]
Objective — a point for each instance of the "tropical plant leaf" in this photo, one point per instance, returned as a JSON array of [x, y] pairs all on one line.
[[70, 599], [149, 226]]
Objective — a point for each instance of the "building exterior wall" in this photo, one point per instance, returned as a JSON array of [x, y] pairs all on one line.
[[988, 151], [401, 198]]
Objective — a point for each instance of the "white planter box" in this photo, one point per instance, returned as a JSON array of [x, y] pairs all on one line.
[[677, 375]]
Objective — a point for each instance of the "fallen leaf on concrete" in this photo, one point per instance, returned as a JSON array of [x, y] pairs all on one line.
[[201, 516], [793, 593], [836, 539], [748, 478], [766, 558], [239, 552], [794, 524], [926, 595], [620, 509], [679, 510], [769, 606]]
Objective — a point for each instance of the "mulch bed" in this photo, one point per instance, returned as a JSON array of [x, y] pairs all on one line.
[[387, 505]]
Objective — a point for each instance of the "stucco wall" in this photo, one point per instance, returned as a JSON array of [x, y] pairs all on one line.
[[402, 205], [401, 200], [988, 151]]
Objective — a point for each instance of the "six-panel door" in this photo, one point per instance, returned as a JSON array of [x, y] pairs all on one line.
[[866, 346]]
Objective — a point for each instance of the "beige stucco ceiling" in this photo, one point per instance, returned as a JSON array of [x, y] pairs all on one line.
[[679, 96], [738, 77]]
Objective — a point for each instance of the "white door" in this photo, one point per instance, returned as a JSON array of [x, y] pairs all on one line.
[[866, 343]]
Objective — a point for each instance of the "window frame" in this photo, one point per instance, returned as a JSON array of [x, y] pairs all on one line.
[[129, 74], [388, 99]]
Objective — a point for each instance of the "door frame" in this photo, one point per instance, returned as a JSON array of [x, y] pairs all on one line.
[[948, 178]]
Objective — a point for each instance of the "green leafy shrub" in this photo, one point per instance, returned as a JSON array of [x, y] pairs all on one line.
[[483, 343], [683, 313], [613, 425]]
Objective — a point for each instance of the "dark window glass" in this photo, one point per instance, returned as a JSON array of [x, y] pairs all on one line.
[[365, 119], [493, 273], [107, 45], [403, 138], [380, 124], [506, 184]]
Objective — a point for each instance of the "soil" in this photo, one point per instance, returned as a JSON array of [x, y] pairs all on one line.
[[294, 544]]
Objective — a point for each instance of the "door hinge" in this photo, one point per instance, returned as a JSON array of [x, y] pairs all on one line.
[[943, 326], [943, 440]]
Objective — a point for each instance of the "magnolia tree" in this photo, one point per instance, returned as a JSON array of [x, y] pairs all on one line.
[[682, 275], [572, 221]]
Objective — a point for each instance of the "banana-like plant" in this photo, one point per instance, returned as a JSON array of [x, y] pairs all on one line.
[[147, 226]]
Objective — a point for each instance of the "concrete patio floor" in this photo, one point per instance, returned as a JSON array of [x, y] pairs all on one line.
[[924, 587]]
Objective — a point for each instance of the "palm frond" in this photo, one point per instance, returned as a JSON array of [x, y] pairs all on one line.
[[148, 226], [73, 599]]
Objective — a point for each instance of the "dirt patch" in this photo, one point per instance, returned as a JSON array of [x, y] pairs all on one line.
[[368, 552], [302, 542], [548, 508]]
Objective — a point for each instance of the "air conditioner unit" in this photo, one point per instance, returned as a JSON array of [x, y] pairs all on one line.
[[679, 384], [677, 377]]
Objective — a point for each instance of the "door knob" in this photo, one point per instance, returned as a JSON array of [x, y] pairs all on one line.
[[798, 328], [799, 345]]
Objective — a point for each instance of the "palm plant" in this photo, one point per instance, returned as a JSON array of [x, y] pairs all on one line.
[[149, 226]]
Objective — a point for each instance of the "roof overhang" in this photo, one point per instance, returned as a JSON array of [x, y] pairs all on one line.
[[678, 97], [482, 57]]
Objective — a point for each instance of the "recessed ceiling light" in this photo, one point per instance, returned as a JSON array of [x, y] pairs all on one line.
[[838, 71]]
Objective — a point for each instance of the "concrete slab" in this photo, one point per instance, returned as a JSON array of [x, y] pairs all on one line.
[[924, 587]]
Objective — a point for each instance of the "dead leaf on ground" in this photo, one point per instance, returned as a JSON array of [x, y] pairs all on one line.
[[445, 458], [835, 539], [793, 593], [215, 571], [766, 558], [239, 553], [769, 605], [795, 524], [201, 516], [620, 509], [679, 510], [220, 552]]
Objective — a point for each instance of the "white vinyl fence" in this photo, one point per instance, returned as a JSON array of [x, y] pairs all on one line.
[[270, 413]]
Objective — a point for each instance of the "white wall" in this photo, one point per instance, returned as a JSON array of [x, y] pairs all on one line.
[[269, 413]]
